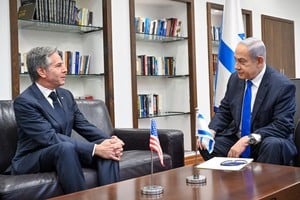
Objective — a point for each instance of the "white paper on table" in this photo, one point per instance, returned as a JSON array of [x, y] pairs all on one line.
[[215, 163]]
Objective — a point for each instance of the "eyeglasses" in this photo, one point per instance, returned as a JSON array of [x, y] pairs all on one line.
[[233, 162]]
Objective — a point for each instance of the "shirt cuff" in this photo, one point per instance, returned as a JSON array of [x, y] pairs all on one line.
[[257, 137], [94, 150]]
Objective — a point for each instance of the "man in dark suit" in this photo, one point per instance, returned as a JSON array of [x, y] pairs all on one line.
[[45, 124], [271, 119]]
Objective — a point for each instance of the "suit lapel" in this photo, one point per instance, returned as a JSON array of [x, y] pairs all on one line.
[[261, 93], [48, 107], [239, 100], [43, 101]]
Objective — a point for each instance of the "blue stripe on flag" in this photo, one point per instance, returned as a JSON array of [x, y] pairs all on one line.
[[226, 56], [242, 35], [203, 132]]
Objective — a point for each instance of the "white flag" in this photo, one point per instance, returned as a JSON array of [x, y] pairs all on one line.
[[232, 33]]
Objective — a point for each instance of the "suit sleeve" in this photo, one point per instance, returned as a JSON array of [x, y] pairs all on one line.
[[276, 117], [36, 130], [223, 117]]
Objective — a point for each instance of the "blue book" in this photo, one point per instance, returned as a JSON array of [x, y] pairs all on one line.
[[77, 61]]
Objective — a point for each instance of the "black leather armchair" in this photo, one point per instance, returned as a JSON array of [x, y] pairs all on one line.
[[136, 160]]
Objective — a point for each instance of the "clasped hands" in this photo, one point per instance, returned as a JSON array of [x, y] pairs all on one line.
[[111, 148]]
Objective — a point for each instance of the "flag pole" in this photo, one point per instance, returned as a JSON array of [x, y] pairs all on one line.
[[151, 176], [196, 178], [151, 189]]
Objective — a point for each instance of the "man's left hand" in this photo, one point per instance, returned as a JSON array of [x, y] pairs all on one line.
[[237, 149]]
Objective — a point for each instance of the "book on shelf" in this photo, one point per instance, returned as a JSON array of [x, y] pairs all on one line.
[[216, 32], [76, 63], [27, 10], [148, 105], [170, 27], [55, 11], [23, 63], [84, 17], [153, 65]]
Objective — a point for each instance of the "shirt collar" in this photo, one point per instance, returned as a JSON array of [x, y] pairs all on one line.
[[45, 91], [257, 80]]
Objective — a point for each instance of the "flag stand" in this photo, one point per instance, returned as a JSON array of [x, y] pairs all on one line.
[[152, 189], [196, 178]]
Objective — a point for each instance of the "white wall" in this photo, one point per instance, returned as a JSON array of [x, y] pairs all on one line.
[[5, 75], [121, 63]]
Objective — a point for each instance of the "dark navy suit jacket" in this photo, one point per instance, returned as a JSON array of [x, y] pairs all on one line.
[[40, 127], [273, 109]]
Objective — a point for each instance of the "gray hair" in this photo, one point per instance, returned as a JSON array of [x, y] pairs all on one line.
[[255, 46], [39, 57]]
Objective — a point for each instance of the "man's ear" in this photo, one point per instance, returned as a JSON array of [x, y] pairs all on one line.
[[41, 71], [260, 60]]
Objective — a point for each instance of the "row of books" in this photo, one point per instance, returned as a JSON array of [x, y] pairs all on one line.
[[148, 105], [216, 32], [56, 11], [76, 64], [153, 66], [169, 27]]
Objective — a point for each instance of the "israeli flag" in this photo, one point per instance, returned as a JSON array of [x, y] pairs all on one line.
[[232, 33], [204, 134]]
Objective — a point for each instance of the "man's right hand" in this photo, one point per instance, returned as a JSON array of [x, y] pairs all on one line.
[[110, 149], [202, 146]]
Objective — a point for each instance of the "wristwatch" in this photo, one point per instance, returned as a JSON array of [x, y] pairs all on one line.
[[252, 139]]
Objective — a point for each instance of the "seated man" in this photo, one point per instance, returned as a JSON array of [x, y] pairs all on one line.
[[46, 115], [262, 128]]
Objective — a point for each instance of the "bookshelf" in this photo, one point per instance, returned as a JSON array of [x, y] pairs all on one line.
[[173, 85], [94, 39], [214, 21]]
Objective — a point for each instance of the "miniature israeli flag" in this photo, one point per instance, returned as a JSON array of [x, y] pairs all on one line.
[[204, 134]]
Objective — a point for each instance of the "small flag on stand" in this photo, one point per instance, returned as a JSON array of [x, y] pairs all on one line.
[[154, 146], [204, 133], [154, 142], [232, 33]]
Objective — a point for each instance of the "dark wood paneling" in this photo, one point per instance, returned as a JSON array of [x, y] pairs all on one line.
[[278, 36], [14, 49]]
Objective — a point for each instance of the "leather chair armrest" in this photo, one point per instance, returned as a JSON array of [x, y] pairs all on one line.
[[171, 142]]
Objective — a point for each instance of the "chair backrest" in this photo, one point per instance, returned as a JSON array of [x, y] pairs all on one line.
[[296, 81], [96, 112], [8, 134], [297, 142]]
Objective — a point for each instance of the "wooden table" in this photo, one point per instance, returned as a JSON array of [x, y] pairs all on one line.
[[255, 181]]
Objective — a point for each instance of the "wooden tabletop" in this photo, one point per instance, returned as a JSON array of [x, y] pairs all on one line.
[[255, 181]]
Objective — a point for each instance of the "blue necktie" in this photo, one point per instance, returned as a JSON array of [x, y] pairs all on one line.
[[246, 117], [57, 106]]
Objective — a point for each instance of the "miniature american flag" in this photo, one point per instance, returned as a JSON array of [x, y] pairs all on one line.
[[154, 142]]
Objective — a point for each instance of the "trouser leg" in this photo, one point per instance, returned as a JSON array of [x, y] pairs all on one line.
[[108, 171], [66, 162]]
